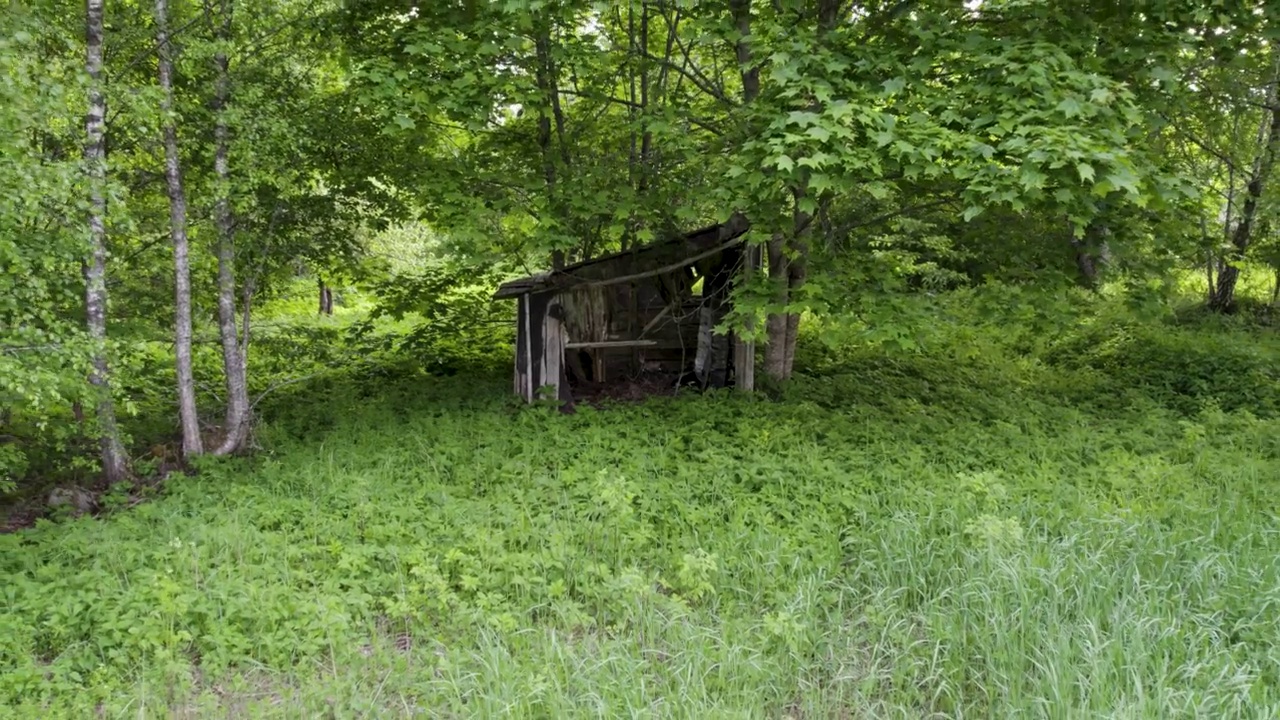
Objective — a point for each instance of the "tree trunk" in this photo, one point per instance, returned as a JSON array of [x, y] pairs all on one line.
[[629, 234], [326, 299], [114, 462], [781, 328], [1085, 265], [797, 266], [787, 273], [1224, 293], [829, 14], [187, 413], [550, 98], [750, 73], [640, 147], [1208, 272], [787, 260], [796, 275], [646, 138], [547, 77], [1092, 254], [776, 324], [234, 352], [744, 349]]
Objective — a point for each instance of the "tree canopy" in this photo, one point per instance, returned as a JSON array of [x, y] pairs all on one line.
[[882, 147]]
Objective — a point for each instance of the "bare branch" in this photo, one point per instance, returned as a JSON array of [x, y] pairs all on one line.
[[283, 383], [691, 73]]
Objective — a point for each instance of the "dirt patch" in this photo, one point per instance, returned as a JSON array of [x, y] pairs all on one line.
[[51, 501], [632, 389], [21, 515]]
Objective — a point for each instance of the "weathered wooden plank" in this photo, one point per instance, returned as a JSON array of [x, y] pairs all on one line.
[[552, 360], [610, 344], [515, 374], [674, 254], [520, 286], [744, 351], [744, 364], [524, 371], [538, 303], [633, 325], [702, 356], [683, 262], [657, 319]]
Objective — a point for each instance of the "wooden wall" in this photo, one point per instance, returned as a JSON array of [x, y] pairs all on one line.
[[540, 345], [615, 331]]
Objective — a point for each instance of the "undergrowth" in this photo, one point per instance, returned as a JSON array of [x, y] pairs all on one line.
[[974, 527]]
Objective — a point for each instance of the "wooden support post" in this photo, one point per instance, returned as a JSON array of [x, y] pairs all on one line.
[[524, 364], [633, 324], [547, 339], [552, 359], [744, 351]]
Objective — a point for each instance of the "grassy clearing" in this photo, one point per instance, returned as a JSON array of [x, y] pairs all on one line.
[[978, 529]]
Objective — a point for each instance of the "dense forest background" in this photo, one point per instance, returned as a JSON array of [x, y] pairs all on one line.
[[1013, 447], [402, 158]]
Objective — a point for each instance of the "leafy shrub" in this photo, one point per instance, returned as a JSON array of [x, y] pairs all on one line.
[[13, 463], [457, 325], [1183, 368]]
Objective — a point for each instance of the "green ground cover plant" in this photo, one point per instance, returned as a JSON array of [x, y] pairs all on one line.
[[1008, 446], [966, 529]]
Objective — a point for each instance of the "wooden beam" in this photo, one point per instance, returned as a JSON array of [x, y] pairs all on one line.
[[596, 270], [666, 268], [658, 318], [610, 344]]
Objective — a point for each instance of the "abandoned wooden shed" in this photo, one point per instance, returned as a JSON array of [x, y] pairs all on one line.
[[649, 310]]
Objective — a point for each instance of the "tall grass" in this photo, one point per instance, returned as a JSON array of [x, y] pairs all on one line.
[[944, 533]]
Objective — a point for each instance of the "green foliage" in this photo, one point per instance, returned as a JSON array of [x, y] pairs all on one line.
[[890, 150], [1187, 369], [989, 492], [904, 532], [43, 348], [454, 324]]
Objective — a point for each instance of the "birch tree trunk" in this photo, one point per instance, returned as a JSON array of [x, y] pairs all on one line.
[[234, 350], [114, 463], [787, 255], [785, 332], [788, 270], [190, 418], [775, 325], [546, 77], [1223, 298], [749, 72]]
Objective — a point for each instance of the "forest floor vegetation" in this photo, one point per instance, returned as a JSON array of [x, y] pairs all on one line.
[[1040, 513]]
